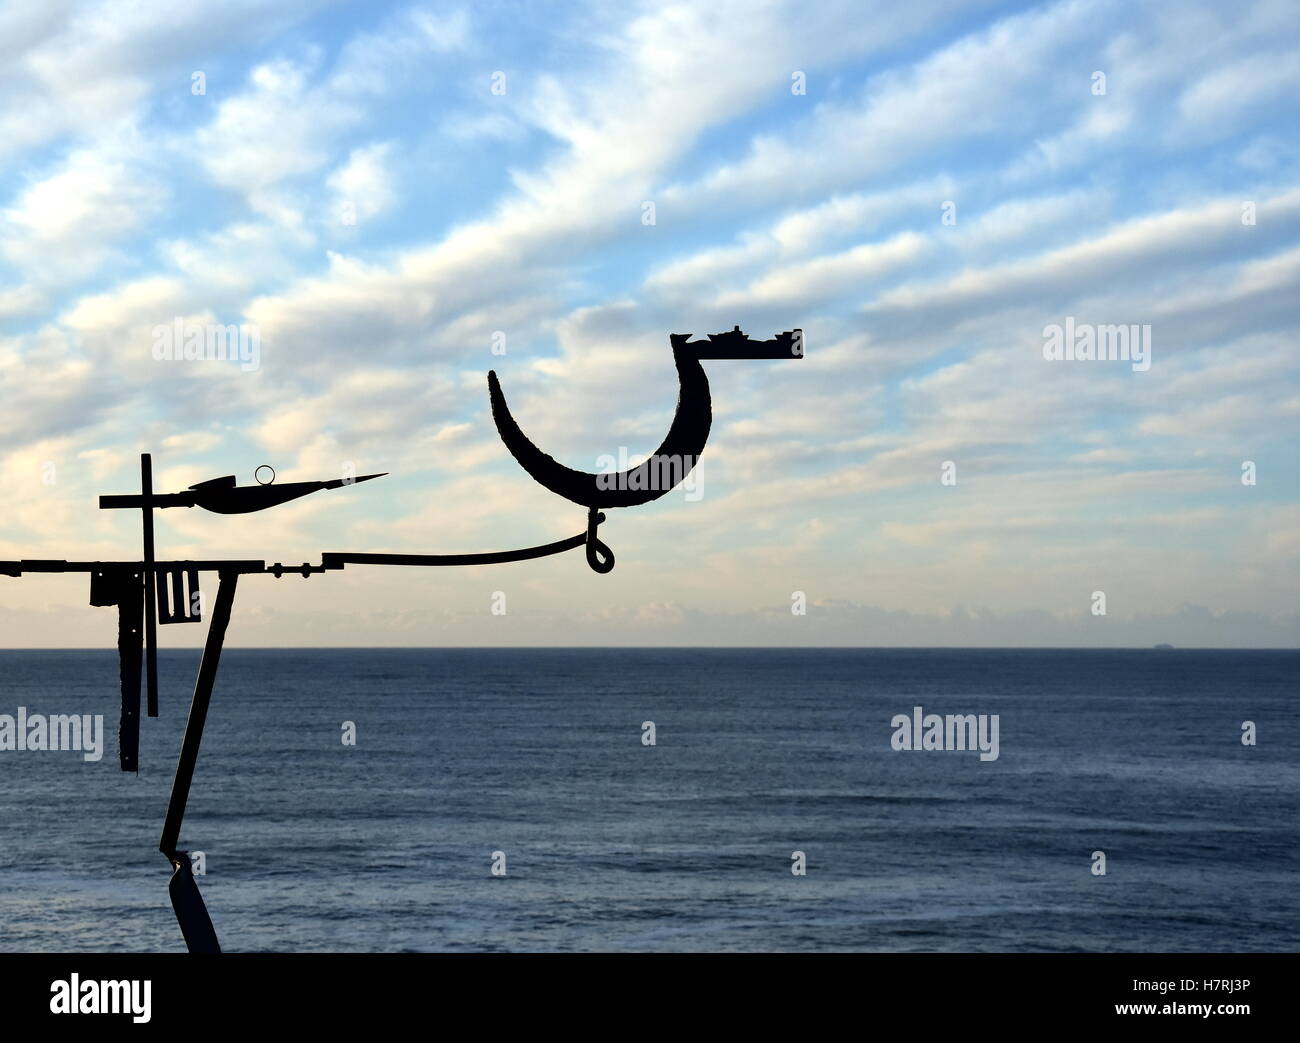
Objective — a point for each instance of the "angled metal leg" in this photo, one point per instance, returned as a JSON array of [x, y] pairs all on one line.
[[191, 913]]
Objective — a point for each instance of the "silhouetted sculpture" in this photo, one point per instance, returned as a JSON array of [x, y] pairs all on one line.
[[148, 592]]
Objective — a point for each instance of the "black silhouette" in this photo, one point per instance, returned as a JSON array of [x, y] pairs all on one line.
[[223, 496], [148, 592]]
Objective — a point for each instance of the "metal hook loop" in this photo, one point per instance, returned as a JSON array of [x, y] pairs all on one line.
[[599, 556]]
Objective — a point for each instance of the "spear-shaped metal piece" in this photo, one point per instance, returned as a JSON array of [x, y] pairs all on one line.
[[223, 496]]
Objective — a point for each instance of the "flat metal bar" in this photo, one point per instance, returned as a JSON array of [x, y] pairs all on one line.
[[129, 636], [17, 568], [754, 350], [111, 501], [150, 602], [198, 714], [337, 561]]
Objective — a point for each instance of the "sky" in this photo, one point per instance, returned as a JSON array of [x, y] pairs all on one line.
[[394, 199]]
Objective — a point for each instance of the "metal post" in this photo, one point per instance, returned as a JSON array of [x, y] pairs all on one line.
[[191, 913], [129, 622], [150, 603]]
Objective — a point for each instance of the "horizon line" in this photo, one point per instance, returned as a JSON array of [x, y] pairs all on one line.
[[749, 648]]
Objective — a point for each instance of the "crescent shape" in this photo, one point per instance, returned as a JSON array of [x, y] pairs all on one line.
[[665, 469]]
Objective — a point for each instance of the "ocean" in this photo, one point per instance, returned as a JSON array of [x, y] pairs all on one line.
[[608, 843]]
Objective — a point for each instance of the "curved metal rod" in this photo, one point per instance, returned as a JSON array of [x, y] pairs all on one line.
[[666, 468], [338, 560]]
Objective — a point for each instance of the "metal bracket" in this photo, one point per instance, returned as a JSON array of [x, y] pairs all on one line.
[[179, 597]]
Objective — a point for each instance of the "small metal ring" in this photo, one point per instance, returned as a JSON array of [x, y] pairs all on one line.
[[258, 474]]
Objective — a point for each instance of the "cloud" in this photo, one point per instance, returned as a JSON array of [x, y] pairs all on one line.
[[363, 184], [289, 119], [945, 97], [78, 69], [490, 223]]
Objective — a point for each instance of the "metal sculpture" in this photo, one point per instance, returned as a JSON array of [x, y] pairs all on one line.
[[148, 593]]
